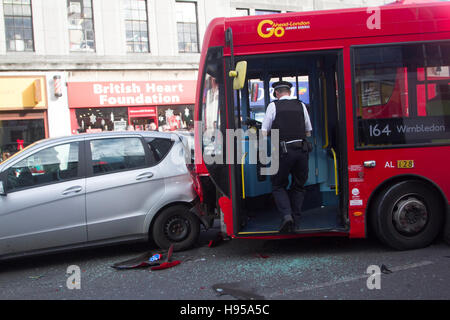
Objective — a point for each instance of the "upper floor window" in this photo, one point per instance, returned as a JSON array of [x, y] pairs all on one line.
[[241, 12], [187, 26], [261, 12], [18, 25], [136, 25], [81, 25]]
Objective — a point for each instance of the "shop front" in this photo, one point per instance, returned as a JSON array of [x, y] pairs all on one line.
[[131, 105], [23, 112]]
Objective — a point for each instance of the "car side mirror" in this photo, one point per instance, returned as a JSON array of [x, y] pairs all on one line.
[[2, 188]]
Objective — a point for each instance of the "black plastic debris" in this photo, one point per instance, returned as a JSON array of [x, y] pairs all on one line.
[[219, 239], [142, 261], [232, 289], [149, 259], [385, 269]]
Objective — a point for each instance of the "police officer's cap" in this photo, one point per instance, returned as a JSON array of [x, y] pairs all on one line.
[[281, 85]]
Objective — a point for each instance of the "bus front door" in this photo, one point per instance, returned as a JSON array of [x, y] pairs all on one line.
[[315, 81]]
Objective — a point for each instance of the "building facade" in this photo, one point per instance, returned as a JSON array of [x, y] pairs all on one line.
[[72, 66]]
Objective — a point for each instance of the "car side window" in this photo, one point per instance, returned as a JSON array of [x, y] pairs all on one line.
[[159, 148], [53, 164], [117, 154]]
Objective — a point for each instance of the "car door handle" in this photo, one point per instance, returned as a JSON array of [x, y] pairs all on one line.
[[70, 190], [145, 175]]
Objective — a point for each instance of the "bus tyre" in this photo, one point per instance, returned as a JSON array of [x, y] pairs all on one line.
[[178, 226], [408, 215]]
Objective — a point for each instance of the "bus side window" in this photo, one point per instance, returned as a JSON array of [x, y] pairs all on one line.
[[438, 95], [257, 105], [402, 94]]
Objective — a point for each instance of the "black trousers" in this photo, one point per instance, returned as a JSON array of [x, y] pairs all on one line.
[[294, 162]]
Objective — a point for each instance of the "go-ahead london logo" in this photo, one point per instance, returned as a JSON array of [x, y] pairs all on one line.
[[268, 28]]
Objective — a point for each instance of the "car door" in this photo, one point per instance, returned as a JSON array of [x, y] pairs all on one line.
[[44, 205], [122, 187]]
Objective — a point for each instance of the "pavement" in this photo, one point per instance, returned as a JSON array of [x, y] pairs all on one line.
[[294, 269]]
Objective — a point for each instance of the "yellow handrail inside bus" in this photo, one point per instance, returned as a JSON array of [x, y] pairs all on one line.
[[326, 111], [242, 175], [335, 170]]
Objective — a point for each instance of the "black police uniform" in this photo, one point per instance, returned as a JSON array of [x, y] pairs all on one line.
[[290, 121]]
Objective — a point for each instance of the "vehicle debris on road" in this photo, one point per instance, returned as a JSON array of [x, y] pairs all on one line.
[[149, 259]]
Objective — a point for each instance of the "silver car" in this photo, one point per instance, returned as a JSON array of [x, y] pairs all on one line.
[[97, 189]]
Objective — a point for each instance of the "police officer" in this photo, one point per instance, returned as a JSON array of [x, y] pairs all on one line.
[[291, 118]]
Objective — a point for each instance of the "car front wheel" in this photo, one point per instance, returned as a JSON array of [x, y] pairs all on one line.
[[178, 226]]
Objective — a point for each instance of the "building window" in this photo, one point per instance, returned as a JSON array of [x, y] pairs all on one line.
[[187, 26], [240, 12], [261, 12], [136, 25], [81, 25], [18, 25]]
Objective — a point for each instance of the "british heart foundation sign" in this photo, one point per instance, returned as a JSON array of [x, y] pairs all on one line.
[[130, 93]]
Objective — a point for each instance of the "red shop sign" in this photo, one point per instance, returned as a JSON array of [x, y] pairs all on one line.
[[130, 93], [142, 112]]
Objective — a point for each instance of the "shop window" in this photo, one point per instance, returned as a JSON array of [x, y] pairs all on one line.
[[91, 120], [402, 94], [186, 15], [18, 134], [18, 25], [81, 25], [53, 164], [159, 148], [136, 26], [175, 118], [113, 155]]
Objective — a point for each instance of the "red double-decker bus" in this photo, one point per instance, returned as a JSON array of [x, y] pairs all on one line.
[[379, 101]]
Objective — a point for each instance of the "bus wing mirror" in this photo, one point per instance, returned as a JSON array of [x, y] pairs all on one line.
[[239, 75]]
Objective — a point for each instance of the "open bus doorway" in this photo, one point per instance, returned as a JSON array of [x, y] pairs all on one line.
[[316, 82]]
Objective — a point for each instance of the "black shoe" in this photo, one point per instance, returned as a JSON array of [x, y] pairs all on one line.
[[287, 225]]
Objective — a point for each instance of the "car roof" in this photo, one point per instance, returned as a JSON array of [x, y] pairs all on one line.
[[106, 134], [87, 136]]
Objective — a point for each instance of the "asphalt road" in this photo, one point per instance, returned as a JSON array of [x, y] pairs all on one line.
[[312, 268]]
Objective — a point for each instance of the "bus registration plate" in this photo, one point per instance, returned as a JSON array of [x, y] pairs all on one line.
[[405, 164]]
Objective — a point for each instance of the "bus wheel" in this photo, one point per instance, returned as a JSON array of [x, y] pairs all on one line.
[[178, 226], [408, 215]]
